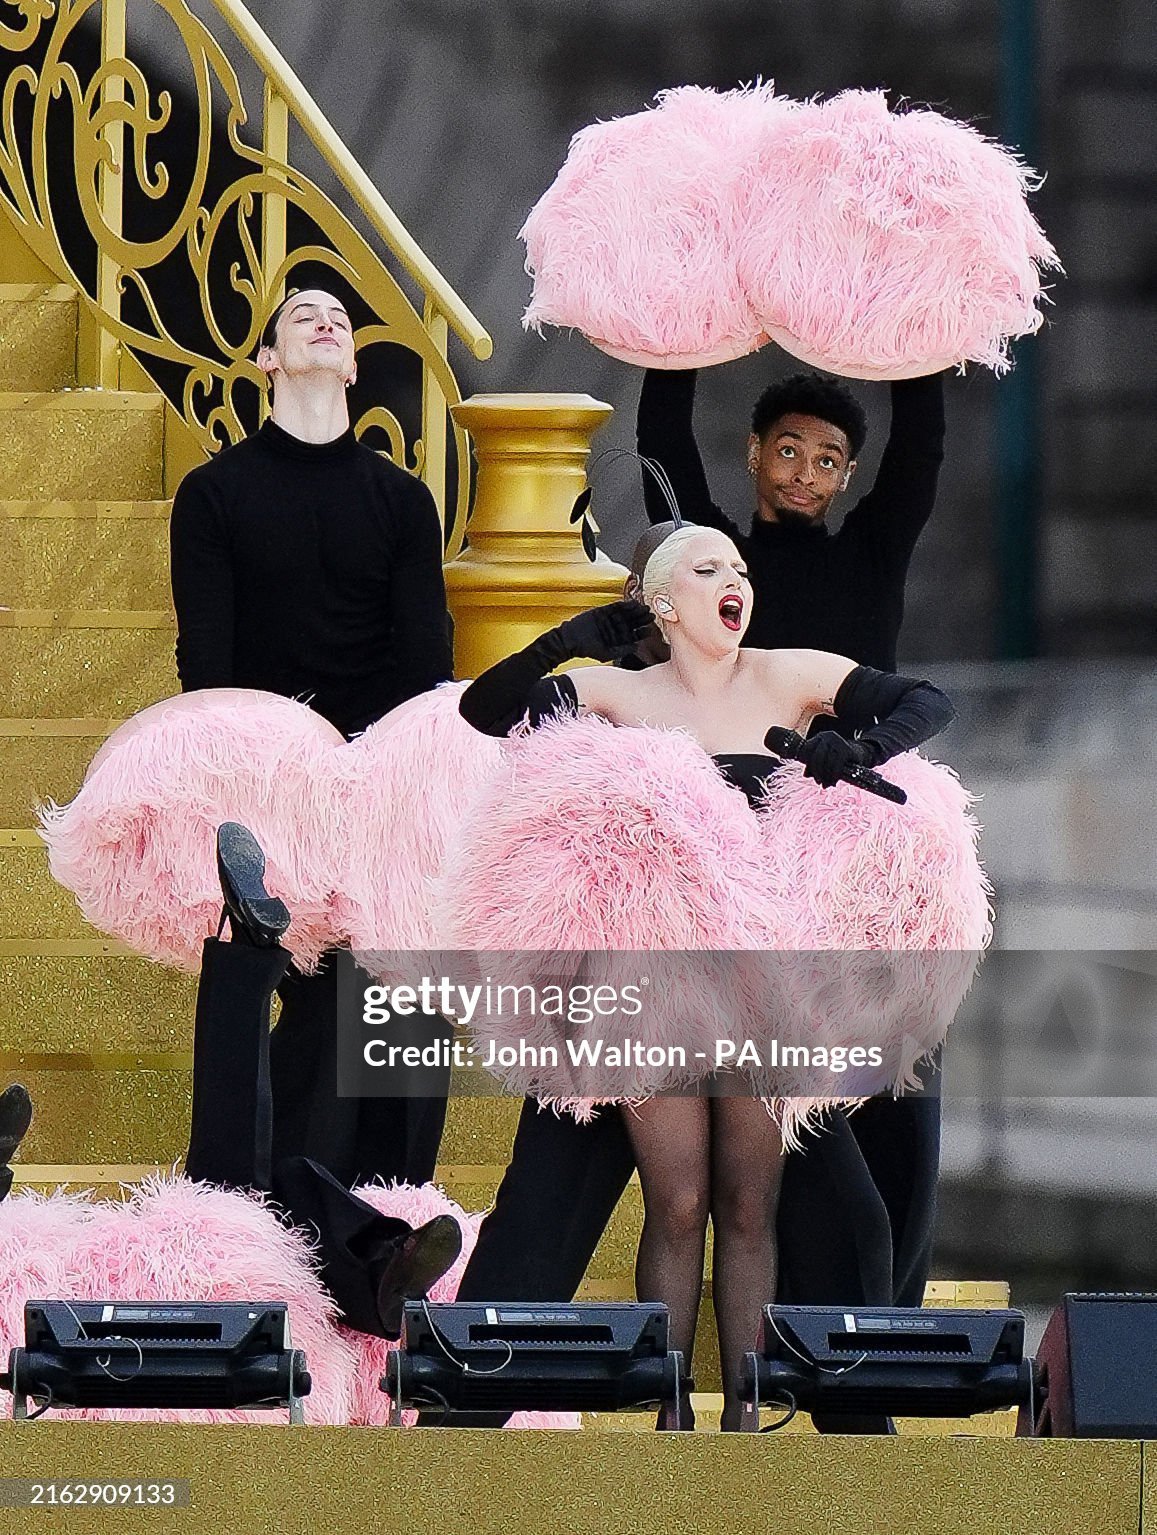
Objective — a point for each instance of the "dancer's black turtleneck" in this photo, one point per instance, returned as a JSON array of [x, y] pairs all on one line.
[[312, 570], [842, 592]]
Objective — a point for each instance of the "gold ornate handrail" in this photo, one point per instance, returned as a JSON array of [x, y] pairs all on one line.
[[115, 127]]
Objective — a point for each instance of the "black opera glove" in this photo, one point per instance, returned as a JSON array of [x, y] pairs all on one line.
[[500, 698], [827, 756], [606, 633], [889, 714]]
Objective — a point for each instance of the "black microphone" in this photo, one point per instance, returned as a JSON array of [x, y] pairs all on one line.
[[788, 743]]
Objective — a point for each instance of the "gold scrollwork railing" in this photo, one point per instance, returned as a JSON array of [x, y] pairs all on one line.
[[116, 127]]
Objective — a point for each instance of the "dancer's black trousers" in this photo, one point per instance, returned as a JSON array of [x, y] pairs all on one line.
[[855, 1220], [357, 1139], [231, 1141]]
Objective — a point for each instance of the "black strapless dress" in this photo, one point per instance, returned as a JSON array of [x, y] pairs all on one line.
[[748, 771]]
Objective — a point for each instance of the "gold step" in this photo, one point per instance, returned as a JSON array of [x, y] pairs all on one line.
[[73, 1064], [37, 336], [91, 666], [43, 759], [81, 1015], [72, 1002], [708, 1405], [480, 1131], [102, 1180], [85, 554], [79, 444], [32, 904], [137, 1114]]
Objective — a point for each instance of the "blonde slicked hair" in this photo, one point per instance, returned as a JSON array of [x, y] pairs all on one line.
[[659, 569]]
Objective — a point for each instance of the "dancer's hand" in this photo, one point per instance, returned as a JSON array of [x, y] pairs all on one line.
[[826, 757], [607, 633]]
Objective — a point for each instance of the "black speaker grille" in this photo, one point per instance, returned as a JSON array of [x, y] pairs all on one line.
[[542, 1336], [893, 1343]]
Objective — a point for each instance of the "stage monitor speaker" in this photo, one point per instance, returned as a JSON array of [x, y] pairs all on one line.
[[589, 1356], [180, 1354], [913, 1360], [1097, 1368]]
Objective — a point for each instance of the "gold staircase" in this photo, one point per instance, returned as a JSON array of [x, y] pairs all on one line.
[[86, 638]]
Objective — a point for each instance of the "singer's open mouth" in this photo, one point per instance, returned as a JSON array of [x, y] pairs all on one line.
[[731, 612]]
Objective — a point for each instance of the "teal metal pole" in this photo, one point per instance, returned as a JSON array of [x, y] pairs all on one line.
[[1018, 410]]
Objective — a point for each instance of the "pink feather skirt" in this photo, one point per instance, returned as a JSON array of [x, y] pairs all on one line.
[[620, 856], [573, 854]]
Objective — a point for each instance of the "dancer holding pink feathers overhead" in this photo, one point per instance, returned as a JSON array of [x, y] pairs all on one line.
[[712, 702]]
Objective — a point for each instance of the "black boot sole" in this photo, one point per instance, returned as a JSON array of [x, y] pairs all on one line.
[[254, 915], [425, 1257]]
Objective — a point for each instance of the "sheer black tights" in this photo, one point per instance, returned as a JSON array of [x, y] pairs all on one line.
[[721, 1157]]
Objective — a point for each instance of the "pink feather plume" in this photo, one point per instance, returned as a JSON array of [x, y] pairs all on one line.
[[137, 844], [874, 244], [634, 243], [882, 244]]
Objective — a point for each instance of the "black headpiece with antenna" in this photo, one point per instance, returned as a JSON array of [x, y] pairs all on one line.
[[580, 511]]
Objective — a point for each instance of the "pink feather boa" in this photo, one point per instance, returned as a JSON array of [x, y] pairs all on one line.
[[871, 243], [177, 1240]]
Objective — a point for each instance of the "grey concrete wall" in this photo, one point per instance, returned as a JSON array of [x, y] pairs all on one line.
[[1058, 1193]]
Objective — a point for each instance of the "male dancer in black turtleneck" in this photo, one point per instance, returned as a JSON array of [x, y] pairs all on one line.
[[304, 563], [856, 1208], [842, 591]]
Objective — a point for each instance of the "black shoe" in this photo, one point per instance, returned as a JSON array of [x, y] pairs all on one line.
[[414, 1264], [15, 1117], [255, 917]]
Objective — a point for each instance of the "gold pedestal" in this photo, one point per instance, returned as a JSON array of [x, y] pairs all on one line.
[[525, 569]]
